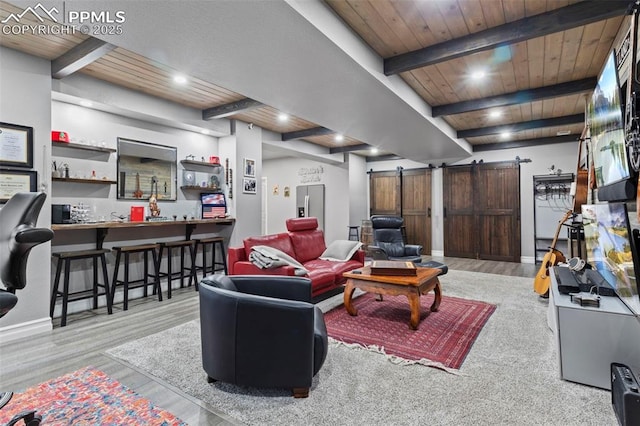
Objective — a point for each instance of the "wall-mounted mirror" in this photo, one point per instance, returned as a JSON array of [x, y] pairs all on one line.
[[146, 169]]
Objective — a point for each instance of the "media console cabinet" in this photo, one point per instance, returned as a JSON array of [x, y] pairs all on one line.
[[589, 339]]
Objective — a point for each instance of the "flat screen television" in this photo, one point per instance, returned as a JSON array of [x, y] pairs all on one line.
[[611, 250], [614, 179], [214, 205]]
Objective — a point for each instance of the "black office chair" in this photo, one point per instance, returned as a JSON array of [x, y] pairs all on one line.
[[18, 235], [388, 241]]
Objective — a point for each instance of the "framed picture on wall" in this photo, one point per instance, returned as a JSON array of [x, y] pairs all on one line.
[[249, 167], [14, 181], [249, 186], [16, 145]]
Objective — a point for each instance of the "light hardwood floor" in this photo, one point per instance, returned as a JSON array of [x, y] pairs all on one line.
[[88, 335]]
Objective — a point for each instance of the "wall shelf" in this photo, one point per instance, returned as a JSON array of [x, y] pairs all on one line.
[[199, 188], [91, 181], [189, 164], [82, 146]]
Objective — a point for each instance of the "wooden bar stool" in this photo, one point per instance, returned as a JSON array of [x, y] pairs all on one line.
[[215, 242], [64, 261], [182, 245], [143, 282]]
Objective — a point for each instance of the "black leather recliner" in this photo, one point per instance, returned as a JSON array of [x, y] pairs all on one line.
[[388, 243], [18, 235], [261, 331]]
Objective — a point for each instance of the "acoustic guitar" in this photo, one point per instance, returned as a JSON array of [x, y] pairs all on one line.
[[138, 192], [552, 258]]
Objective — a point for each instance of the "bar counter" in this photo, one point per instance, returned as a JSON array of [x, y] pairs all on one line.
[[102, 228]]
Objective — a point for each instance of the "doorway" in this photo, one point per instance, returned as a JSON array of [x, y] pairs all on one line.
[[482, 211]]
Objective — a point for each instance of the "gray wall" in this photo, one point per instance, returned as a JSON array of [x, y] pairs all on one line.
[[25, 85], [358, 190], [287, 172]]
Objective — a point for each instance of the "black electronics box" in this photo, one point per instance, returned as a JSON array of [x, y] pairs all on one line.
[[60, 213], [625, 395]]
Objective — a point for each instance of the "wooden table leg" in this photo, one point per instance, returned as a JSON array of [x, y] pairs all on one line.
[[414, 305], [348, 294], [437, 296]]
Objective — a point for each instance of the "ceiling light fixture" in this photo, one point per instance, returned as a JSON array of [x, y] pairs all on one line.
[[563, 132], [505, 135], [205, 131], [478, 74], [282, 117], [87, 104], [496, 113], [339, 138], [180, 79], [374, 150]]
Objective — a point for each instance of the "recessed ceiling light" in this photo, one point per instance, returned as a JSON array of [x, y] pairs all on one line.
[[374, 150], [339, 138], [180, 79], [282, 117], [87, 104], [478, 74], [505, 135], [496, 113]]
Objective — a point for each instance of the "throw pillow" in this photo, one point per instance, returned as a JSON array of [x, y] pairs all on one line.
[[341, 250]]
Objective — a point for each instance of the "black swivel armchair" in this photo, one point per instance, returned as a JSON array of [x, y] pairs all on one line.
[[388, 242], [261, 331], [18, 235]]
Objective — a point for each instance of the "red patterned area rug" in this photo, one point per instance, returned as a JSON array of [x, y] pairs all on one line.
[[443, 339], [87, 397]]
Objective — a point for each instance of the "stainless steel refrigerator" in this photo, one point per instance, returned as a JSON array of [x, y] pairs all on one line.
[[310, 202]]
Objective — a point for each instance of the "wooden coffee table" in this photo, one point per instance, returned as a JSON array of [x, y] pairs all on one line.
[[423, 282]]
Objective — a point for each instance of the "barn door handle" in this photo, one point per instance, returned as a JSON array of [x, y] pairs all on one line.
[[428, 211]]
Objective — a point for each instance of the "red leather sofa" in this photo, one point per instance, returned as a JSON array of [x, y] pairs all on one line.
[[305, 243]]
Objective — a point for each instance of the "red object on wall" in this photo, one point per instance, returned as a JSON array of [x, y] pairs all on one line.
[[214, 160], [137, 214], [58, 136]]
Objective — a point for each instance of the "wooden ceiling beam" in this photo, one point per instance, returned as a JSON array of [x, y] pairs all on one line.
[[306, 133], [350, 148], [388, 157], [564, 18], [79, 57], [231, 108], [523, 125], [525, 143], [519, 97]]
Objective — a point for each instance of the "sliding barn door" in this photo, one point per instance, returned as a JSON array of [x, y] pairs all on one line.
[[482, 211], [459, 213], [416, 207], [384, 193], [497, 203]]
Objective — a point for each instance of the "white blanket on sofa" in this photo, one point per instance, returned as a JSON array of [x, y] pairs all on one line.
[[265, 257]]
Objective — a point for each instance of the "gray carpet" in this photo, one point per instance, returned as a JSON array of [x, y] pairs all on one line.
[[510, 376]]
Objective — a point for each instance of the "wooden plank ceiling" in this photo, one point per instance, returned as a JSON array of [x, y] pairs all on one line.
[[394, 28], [399, 28]]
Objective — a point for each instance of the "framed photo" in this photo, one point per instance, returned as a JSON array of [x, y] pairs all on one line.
[[14, 181], [16, 145], [249, 186], [249, 167]]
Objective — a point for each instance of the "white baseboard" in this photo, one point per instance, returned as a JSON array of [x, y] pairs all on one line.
[[527, 259], [25, 329], [437, 253]]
